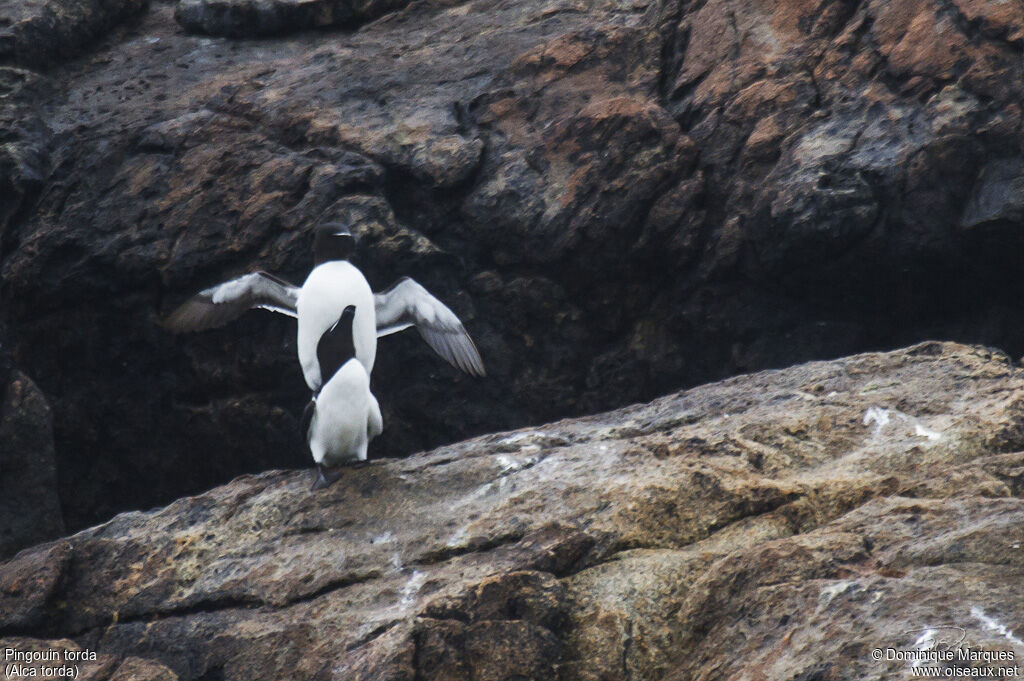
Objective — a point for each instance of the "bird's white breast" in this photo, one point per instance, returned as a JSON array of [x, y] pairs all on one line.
[[340, 428], [328, 290]]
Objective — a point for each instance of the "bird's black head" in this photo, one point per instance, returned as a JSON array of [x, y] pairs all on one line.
[[337, 345], [333, 241], [347, 315]]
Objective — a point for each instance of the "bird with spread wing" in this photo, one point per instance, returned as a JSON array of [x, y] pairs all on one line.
[[403, 305], [339, 321]]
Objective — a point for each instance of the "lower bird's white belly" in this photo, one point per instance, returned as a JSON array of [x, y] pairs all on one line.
[[338, 429], [328, 290]]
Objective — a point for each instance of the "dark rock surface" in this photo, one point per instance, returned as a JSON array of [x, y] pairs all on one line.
[[36, 32], [24, 145], [250, 18], [620, 199], [29, 506], [779, 525]]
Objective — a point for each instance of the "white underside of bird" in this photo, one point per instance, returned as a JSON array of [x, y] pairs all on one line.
[[329, 289], [346, 417]]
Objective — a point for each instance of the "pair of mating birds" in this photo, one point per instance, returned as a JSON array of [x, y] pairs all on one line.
[[339, 320]]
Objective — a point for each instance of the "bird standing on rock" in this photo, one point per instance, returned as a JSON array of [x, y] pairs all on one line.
[[339, 321], [342, 418]]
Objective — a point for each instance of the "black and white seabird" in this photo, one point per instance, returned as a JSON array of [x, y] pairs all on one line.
[[344, 416], [332, 285]]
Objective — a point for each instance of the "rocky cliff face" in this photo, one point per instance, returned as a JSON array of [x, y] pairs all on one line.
[[29, 505], [778, 525], [621, 198]]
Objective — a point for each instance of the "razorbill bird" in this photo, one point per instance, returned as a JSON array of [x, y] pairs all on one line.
[[332, 287], [344, 416], [403, 305]]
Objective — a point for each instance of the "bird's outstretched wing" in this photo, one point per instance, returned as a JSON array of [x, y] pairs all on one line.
[[408, 304], [220, 304]]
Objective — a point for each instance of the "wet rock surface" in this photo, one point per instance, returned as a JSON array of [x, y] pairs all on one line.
[[619, 198], [777, 525]]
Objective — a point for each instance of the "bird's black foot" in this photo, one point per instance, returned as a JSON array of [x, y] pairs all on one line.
[[324, 478]]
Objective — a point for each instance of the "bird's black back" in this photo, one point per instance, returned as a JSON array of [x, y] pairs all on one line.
[[336, 346]]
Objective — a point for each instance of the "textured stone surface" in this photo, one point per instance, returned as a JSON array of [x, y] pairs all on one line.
[[29, 506], [620, 199], [24, 139], [777, 525], [35, 32]]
